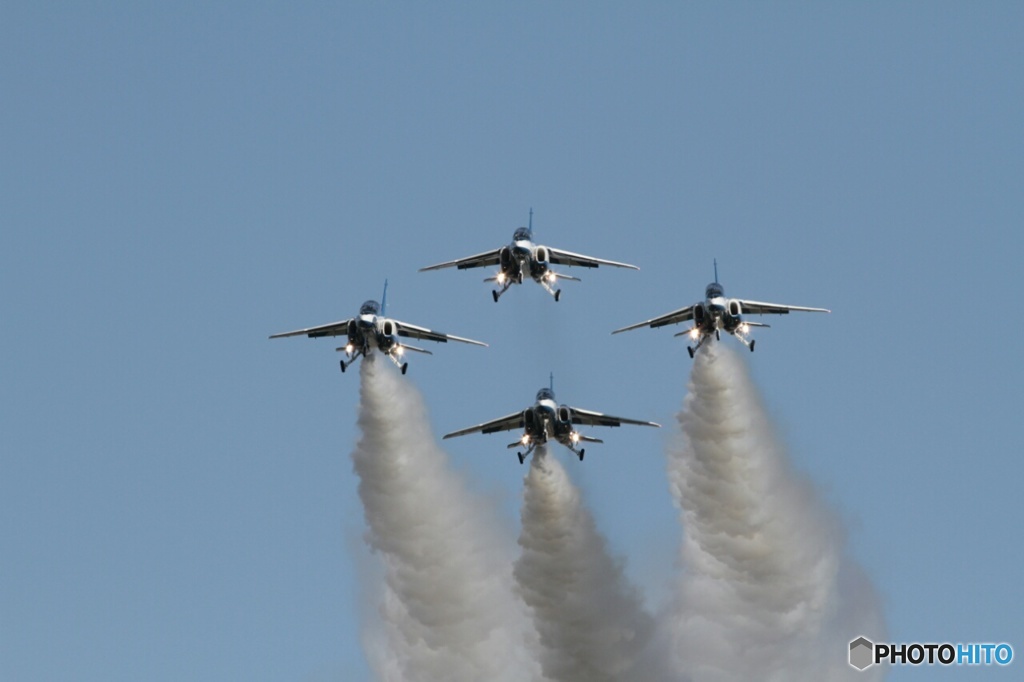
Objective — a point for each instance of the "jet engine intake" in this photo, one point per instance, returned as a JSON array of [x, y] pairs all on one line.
[[564, 414], [505, 258], [388, 328], [530, 420], [735, 309], [700, 315], [539, 264]]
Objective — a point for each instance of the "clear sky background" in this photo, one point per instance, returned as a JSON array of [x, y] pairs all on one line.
[[176, 494]]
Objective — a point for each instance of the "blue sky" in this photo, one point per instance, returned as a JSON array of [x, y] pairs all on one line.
[[176, 495]]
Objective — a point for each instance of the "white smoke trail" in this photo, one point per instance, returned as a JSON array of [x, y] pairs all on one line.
[[449, 610], [591, 623], [767, 591]]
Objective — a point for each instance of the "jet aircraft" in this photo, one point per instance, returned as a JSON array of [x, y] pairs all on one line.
[[522, 258], [370, 328], [546, 419], [716, 313]]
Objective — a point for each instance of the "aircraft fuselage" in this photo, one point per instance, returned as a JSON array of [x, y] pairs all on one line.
[[546, 420], [522, 258], [371, 330], [717, 313]]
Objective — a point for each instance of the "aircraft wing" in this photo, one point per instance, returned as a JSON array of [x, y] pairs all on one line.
[[506, 423], [332, 329], [762, 308], [414, 332], [478, 261], [597, 419], [559, 257], [674, 317]]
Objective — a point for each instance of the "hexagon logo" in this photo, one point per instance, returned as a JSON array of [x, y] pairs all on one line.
[[862, 653]]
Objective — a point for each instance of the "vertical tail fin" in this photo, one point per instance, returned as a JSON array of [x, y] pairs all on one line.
[[551, 382], [716, 271], [530, 224], [384, 300]]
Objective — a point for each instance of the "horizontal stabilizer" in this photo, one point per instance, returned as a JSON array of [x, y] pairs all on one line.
[[755, 324], [688, 331], [516, 444], [559, 275], [418, 350], [589, 439]]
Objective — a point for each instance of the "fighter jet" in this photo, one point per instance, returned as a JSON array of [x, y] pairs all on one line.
[[371, 328], [523, 258], [546, 419], [716, 313]]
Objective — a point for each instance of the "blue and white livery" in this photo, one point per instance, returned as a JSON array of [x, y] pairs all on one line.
[[716, 313], [522, 258], [371, 329], [547, 420]]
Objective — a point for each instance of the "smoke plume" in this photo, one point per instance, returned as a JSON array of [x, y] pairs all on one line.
[[767, 591], [591, 623], [449, 611]]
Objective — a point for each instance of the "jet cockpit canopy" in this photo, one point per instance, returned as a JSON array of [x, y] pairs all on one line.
[[545, 394]]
